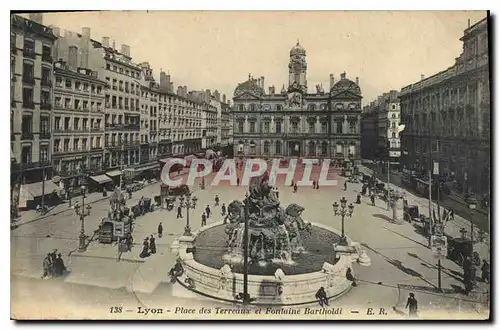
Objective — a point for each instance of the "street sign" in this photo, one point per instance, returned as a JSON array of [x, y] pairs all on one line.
[[439, 246], [119, 229]]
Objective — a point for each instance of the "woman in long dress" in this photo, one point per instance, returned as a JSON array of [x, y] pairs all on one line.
[[145, 249]]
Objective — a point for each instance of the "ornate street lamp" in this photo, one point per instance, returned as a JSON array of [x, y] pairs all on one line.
[[343, 211], [82, 212], [188, 203]]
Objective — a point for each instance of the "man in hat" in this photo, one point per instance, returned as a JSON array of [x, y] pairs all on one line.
[[412, 304], [223, 209], [160, 230], [203, 219], [152, 244], [207, 211]]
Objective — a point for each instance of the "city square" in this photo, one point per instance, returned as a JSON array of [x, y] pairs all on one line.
[[131, 199]]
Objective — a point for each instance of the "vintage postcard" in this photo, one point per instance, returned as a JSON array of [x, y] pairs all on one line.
[[223, 165]]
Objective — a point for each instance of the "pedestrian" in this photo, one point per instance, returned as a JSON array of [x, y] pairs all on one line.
[[350, 276], [179, 212], [152, 244], [317, 185], [160, 230], [372, 197], [59, 267], [223, 209], [293, 184], [345, 185], [203, 219], [129, 241], [47, 264], [358, 199], [452, 215], [485, 271], [145, 248], [412, 305], [207, 211], [295, 187], [216, 200], [322, 297]]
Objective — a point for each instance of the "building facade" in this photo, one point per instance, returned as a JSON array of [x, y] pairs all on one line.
[[31, 91], [295, 123], [369, 132], [447, 116], [226, 125], [78, 122]]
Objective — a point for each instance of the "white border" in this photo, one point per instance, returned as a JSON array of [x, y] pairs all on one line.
[[221, 5]]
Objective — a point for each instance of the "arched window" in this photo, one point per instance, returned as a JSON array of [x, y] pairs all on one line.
[[312, 148], [266, 147], [312, 107], [278, 147], [252, 147], [338, 148], [393, 135], [324, 148]]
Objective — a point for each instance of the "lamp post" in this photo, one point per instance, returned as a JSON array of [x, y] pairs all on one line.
[[344, 211], [188, 203], [82, 212]]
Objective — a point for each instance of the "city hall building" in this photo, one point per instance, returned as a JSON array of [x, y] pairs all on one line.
[[295, 123]]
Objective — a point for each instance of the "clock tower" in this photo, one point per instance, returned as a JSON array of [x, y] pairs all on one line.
[[297, 69]]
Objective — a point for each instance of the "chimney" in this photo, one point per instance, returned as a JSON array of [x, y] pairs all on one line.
[[38, 18], [258, 82], [223, 98], [73, 58], [357, 81], [125, 50], [262, 85], [468, 23], [332, 80], [163, 79], [179, 90], [86, 32], [217, 95], [343, 75], [422, 76], [105, 42], [56, 30], [114, 45], [171, 86]]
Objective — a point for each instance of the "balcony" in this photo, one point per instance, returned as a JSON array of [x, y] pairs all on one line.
[[45, 106], [28, 80], [97, 148], [28, 105], [45, 135], [47, 58], [26, 136], [96, 129], [30, 53], [46, 82]]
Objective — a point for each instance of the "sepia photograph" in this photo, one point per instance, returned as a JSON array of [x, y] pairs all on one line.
[[250, 165]]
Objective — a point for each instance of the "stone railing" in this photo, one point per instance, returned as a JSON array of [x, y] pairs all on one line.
[[280, 289]]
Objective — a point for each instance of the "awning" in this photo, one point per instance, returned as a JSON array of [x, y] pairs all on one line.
[[101, 179], [147, 167], [32, 190], [114, 173]]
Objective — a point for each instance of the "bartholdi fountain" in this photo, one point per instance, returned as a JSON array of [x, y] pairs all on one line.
[[289, 259]]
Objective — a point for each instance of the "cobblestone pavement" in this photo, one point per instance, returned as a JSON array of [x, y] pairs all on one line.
[[401, 260]]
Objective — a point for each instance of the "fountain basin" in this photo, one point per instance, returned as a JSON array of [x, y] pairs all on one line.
[[271, 284]]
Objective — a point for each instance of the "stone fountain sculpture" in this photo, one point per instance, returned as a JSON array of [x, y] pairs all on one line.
[[275, 233]]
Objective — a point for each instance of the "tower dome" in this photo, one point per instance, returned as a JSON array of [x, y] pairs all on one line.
[[297, 50]]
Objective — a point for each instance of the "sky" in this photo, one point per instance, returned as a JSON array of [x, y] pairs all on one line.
[[218, 49]]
